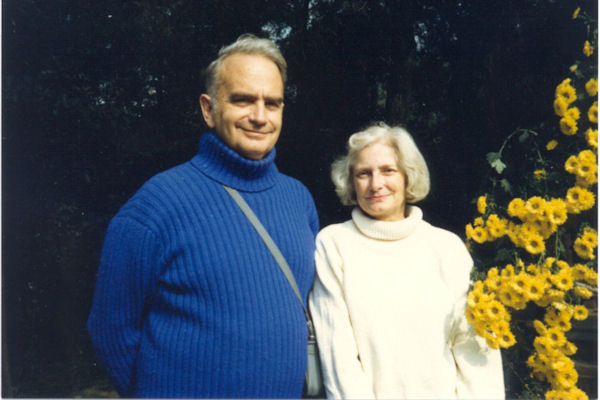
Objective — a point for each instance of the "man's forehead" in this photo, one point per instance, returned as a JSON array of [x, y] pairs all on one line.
[[254, 75], [241, 64]]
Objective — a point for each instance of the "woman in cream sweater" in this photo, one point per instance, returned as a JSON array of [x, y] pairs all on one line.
[[388, 303]]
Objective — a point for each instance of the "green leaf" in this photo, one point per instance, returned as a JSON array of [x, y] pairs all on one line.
[[505, 184], [496, 162], [524, 136], [491, 157]]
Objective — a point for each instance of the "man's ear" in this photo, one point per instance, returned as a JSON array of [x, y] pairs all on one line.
[[206, 106]]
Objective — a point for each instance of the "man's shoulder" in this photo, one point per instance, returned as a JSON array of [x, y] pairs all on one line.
[[290, 183], [162, 189]]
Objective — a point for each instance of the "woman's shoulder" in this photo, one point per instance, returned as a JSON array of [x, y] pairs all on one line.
[[334, 231], [441, 236]]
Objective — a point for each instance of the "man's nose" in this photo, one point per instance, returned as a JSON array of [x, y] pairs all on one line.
[[258, 113]]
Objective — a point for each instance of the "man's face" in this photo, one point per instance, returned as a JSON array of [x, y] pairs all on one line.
[[250, 105]]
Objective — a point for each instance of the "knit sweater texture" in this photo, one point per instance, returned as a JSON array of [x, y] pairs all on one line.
[[388, 307], [189, 302]]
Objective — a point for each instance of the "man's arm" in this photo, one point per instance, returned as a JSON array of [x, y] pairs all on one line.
[[126, 280]]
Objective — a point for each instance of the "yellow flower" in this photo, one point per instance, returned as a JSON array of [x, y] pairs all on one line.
[[556, 337], [575, 393], [495, 226], [568, 125], [507, 272], [579, 199], [566, 91], [591, 135], [587, 168], [474, 298], [557, 211], [506, 339], [580, 313], [535, 244], [536, 289], [572, 164], [579, 272], [564, 321], [569, 348], [479, 234], [560, 106], [507, 296], [482, 204], [582, 292], [516, 208], [573, 68], [583, 249], [590, 236], [556, 394], [562, 279], [469, 231], [588, 49], [587, 156], [492, 341], [478, 221], [574, 113], [493, 283], [576, 12], [593, 113], [495, 310], [540, 328], [551, 317], [532, 269], [551, 145], [470, 315], [592, 278], [536, 206], [549, 262], [566, 379], [543, 345], [539, 174], [591, 87]]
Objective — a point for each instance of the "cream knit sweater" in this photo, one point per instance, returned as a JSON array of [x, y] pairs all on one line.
[[388, 307]]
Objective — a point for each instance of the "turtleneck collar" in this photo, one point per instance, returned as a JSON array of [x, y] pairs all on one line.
[[387, 230], [220, 163]]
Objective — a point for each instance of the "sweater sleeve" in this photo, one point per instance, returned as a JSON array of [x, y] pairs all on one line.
[[479, 368], [343, 374], [126, 280]]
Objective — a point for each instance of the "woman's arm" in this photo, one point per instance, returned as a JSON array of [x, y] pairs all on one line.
[[343, 374], [478, 367]]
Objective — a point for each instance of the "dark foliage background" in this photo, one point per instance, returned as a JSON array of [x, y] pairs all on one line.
[[97, 96]]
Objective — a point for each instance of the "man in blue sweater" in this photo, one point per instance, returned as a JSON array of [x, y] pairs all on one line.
[[189, 302]]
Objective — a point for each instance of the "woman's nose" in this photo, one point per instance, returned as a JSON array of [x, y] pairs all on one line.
[[376, 181]]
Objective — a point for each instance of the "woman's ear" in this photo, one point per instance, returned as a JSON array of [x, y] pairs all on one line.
[[207, 110]]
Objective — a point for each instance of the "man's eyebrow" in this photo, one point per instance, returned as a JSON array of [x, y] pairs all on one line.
[[277, 100], [250, 96]]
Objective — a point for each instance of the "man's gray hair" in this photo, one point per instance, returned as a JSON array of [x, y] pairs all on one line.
[[409, 158], [245, 44]]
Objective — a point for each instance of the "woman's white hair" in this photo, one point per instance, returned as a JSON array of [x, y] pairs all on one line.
[[409, 158]]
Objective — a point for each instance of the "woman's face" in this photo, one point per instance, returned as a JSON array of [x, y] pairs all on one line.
[[379, 184]]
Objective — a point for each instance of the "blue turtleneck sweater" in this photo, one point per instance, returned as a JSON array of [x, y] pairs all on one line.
[[189, 302]]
